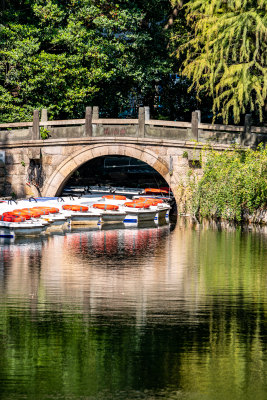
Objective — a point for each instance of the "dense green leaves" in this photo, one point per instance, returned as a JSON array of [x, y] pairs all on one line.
[[64, 55], [233, 181]]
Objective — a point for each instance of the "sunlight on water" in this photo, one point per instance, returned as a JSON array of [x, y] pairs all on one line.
[[135, 314]]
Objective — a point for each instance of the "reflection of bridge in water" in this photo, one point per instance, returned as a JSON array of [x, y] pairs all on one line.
[[135, 306], [130, 271], [114, 268], [109, 243]]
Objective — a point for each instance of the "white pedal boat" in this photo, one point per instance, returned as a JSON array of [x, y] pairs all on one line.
[[93, 214], [137, 212], [10, 230], [109, 208], [52, 221], [162, 212], [112, 216], [136, 216], [55, 222], [70, 209], [162, 208]]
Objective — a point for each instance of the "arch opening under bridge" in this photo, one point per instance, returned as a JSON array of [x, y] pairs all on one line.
[[56, 182]]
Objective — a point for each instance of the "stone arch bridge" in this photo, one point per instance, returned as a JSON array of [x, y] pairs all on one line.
[[61, 147]]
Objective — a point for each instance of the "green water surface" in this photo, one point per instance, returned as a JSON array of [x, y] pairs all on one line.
[[135, 314]]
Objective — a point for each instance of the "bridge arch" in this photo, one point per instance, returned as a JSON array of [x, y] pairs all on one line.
[[65, 169]]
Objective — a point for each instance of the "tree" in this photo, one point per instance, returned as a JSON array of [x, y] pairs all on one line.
[[64, 55], [226, 55]]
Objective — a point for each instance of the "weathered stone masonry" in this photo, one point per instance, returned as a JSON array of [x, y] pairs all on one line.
[[2, 178], [72, 143], [60, 158]]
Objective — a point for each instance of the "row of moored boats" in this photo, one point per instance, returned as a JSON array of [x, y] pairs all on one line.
[[40, 215]]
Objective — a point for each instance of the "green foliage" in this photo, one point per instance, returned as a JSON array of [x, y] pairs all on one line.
[[44, 133], [65, 55], [226, 56], [232, 182]]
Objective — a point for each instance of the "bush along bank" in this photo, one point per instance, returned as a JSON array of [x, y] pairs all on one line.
[[233, 186]]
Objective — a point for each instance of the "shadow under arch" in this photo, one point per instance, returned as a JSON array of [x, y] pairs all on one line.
[[65, 169]]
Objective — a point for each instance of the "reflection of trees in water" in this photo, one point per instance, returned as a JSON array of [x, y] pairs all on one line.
[[64, 352], [231, 360], [234, 265], [5, 262], [208, 337]]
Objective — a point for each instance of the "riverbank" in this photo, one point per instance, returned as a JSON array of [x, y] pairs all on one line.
[[233, 187]]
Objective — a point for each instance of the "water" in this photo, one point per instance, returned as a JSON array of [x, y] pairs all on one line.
[[135, 314]]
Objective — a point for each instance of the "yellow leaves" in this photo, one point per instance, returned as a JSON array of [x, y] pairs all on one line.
[[177, 3], [262, 4], [238, 88], [227, 57]]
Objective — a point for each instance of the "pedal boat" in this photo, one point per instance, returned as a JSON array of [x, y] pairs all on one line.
[[109, 213], [10, 230], [162, 209], [137, 212], [79, 215]]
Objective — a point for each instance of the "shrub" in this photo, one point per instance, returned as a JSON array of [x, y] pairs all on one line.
[[232, 182]]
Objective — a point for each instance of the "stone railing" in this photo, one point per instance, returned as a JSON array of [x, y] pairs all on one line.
[[93, 126]]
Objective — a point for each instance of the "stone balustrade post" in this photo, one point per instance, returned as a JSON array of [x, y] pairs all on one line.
[[199, 115], [36, 125], [141, 122], [147, 113], [44, 116], [194, 122], [245, 137], [88, 128], [96, 128], [95, 112]]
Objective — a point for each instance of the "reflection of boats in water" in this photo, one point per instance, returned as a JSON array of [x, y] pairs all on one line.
[[115, 241], [119, 225]]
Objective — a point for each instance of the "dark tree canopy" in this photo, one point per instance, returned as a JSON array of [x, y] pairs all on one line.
[[66, 54]]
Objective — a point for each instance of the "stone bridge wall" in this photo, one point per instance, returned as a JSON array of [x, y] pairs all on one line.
[[72, 143], [60, 158]]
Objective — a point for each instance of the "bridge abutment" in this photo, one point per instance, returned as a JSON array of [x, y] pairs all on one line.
[[60, 160]]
